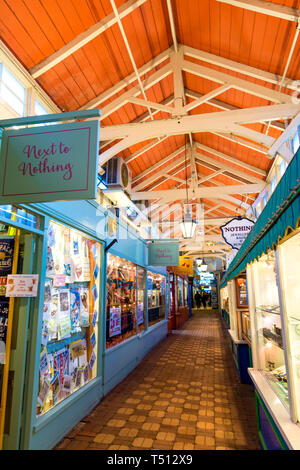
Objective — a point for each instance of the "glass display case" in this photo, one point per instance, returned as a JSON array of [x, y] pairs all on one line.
[[245, 325], [68, 355], [288, 255], [121, 301], [268, 325], [156, 287]]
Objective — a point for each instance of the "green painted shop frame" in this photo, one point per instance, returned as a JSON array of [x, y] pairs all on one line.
[[23, 429]]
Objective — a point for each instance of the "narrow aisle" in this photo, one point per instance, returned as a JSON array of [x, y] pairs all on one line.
[[184, 395]]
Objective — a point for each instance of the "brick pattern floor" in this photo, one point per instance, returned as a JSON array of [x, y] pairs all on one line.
[[185, 395]]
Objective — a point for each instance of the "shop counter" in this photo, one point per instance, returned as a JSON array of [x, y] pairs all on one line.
[[241, 355], [275, 428]]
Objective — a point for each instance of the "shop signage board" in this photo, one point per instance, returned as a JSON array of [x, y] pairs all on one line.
[[22, 285], [163, 254], [185, 266], [235, 231], [49, 163]]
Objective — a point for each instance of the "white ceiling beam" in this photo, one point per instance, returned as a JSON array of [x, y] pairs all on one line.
[[173, 177], [205, 98], [168, 176], [83, 38], [204, 192], [266, 8], [220, 121], [238, 67], [235, 82], [230, 159], [153, 167]]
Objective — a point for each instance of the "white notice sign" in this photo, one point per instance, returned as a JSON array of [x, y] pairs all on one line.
[[235, 231], [22, 285]]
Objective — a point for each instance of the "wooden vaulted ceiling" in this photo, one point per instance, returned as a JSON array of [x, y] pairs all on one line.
[[216, 36]]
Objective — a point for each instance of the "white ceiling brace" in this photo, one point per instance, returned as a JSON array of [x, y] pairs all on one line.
[[267, 8], [230, 159], [106, 95], [226, 168], [152, 104], [163, 178], [237, 83], [144, 149], [275, 148], [84, 37], [161, 172], [228, 107], [243, 142], [213, 165], [153, 167], [123, 99], [246, 70], [209, 177], [205, 192], [205, 98]]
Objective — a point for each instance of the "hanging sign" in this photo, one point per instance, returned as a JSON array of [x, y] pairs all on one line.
[[163, 254], [185, 266], [49, 163], [22, 285], [235, 231], [114, 321]]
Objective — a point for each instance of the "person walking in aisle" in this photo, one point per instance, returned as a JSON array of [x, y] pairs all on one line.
[[198, 299], [204, 299]]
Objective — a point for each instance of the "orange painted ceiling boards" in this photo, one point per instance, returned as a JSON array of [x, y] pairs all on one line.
[[223, 72]]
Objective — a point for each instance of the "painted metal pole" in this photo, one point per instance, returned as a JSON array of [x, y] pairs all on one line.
[[8, 343]]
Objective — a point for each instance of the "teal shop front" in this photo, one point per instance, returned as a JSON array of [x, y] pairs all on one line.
[[271, 256], [55, 366], [136, 308]]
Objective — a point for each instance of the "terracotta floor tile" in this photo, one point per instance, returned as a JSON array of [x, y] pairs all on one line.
[[184, 395]]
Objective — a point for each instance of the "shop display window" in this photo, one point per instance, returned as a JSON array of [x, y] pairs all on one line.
[[270, 348], [121, 302], [289, 269], [68, 357], [180, 292], [241, 292], [245, 325], [186, 293], [156, 298], [141, 298]]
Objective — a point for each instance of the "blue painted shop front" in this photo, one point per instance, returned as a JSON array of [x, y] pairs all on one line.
[[44, 422]]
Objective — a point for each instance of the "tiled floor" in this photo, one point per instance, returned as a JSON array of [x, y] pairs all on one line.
[[184, 395]]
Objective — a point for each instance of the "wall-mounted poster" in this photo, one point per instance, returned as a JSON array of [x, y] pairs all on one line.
[[22, 285], [115, 321], [140, 313]]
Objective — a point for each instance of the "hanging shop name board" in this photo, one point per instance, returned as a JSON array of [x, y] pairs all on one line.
[[22, 285], [235, 231], [185, 266], [163, 254], [49, 163]]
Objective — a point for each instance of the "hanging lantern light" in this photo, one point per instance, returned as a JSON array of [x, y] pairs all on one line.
[[188, 224]]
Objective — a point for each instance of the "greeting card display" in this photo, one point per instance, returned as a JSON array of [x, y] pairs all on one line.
[[69, 328]]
